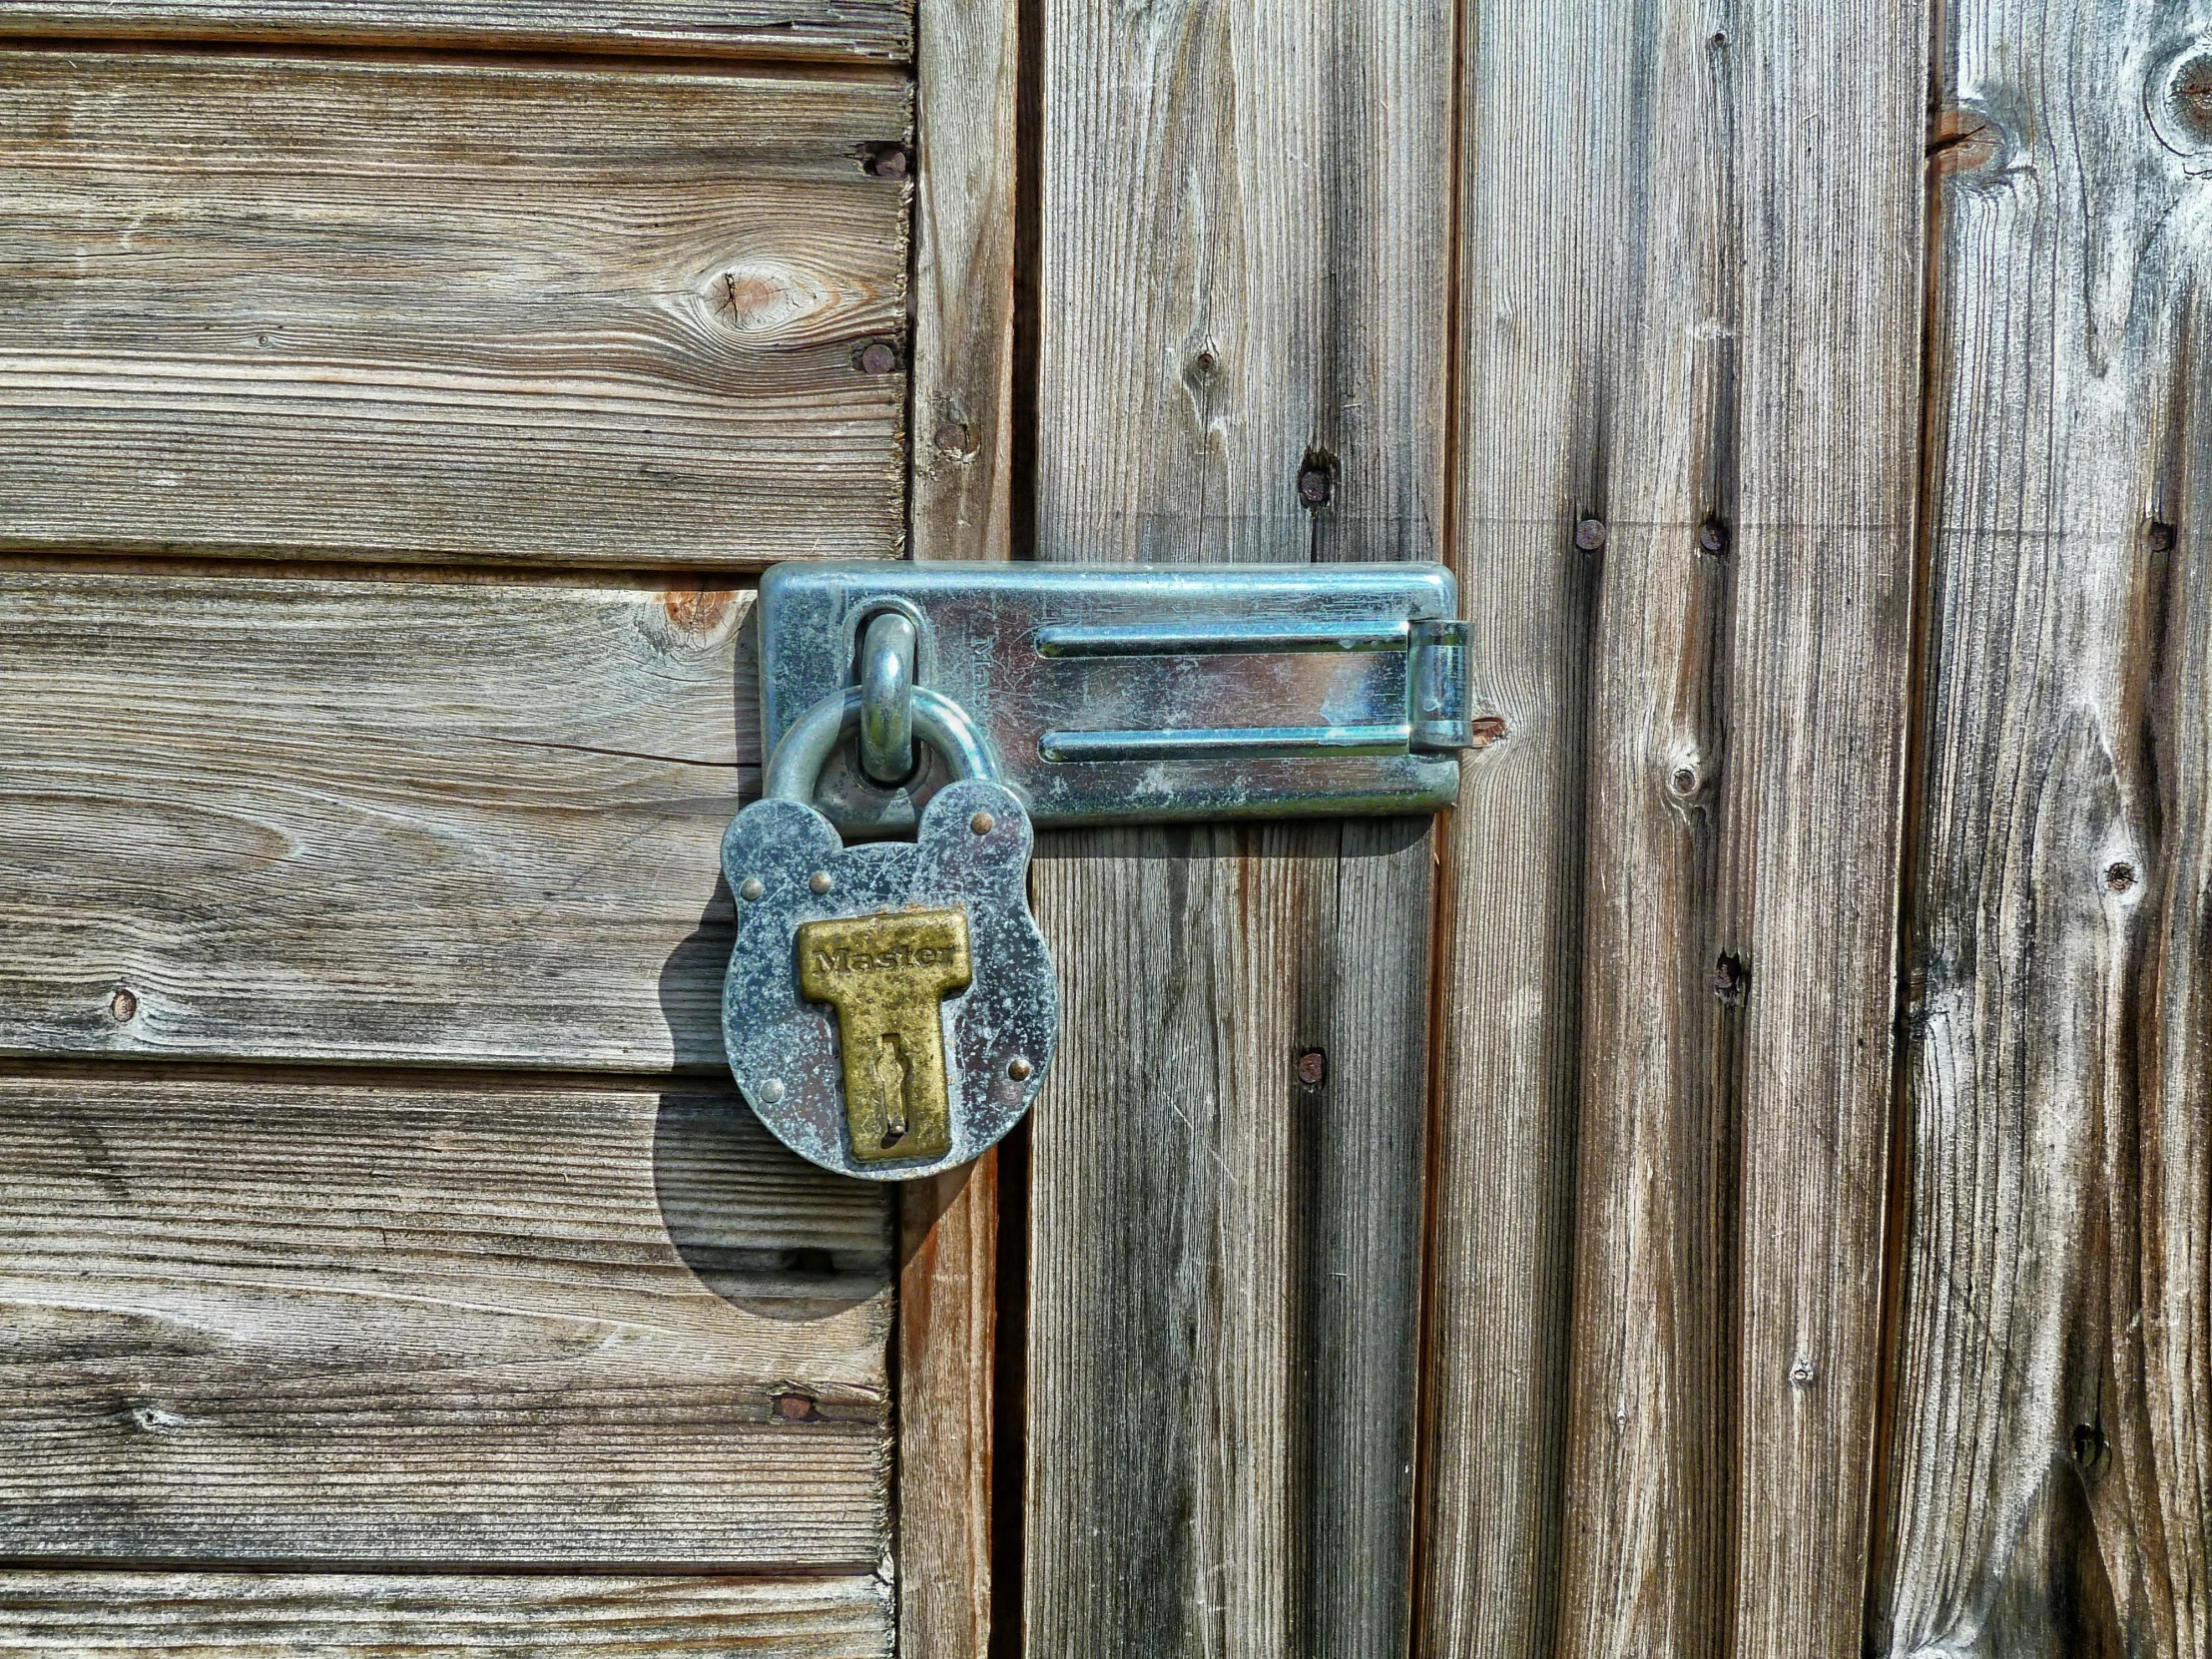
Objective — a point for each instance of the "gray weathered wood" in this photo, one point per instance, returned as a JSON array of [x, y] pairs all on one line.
[[2050, 1486], [1690, 294], [1243, 273], [228, 1615], [1244, 265], [455, 821], [362, 309], [380, 1322], [1225, 1261], [779, 28]]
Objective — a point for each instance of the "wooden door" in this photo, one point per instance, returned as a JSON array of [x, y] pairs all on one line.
[[1734, 1186]]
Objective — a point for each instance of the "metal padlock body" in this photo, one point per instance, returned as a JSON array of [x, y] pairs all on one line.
[[999, 1032]]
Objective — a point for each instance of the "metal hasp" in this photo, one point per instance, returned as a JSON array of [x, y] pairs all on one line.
[[1124, 694]]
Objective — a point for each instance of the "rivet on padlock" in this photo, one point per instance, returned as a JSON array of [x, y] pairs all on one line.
[[890, 1009]]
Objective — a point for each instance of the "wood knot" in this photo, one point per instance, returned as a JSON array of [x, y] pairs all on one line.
[[2178, 100], [750, 300], [1963, 140], [699, 616]]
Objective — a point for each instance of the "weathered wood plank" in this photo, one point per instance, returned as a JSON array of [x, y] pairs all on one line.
[[1225, 1258], [1690, 272], [966, 71], [1243, 273], [461, 820], [1243, 280], [315, 1322], [2050, 1484], [108, 1615], [866, 29], [948, 1348], [343, 308]]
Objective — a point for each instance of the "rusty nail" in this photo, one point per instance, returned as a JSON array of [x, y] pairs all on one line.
[[1487, 730], [1314, 485], [1589, 535], [1684, 781], [877, 357], [795, 1408], [124, 1006], [1019, 1068], [1730, 975], [1313, 1068], [888, 161], [2120, 877], [2160, 535], [983, 823], [1712, 536], [953, 438], [2088, 1444]]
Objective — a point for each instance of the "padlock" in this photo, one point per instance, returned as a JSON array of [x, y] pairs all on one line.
[[890, 1009]]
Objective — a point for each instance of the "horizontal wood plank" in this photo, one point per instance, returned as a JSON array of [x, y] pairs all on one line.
[[108, 1615], [369, 309], [306, 1322], [443, 821], [834, 29]]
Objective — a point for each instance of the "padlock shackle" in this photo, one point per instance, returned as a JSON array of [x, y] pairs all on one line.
[[796, 766]]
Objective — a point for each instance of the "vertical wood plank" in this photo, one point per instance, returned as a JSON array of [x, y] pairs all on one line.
[[2051, 1460], [966, 71], [1241, 283], [1246, 213], [1689, 336], [1832, 234], [947, 1330]]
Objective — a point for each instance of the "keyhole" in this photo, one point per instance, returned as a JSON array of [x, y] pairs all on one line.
[[891, 1078]]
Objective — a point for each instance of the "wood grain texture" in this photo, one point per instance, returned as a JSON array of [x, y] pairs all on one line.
[[1244, 269], [221, 1615], [966, 69], [966, 66], [332, 308], [1224, 1259], [1690, 280], [947, 1346], [455, 822], [863, 29], [311, 1322], [1243, 276], [2051, 1458]]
